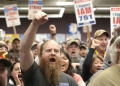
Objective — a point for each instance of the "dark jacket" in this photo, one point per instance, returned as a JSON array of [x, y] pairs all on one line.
[[86, 74]]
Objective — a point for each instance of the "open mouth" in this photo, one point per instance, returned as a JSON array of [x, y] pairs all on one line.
[[20, 77], [73, 52], [63, 65], [98, 68], [103, 46], [52, 60]]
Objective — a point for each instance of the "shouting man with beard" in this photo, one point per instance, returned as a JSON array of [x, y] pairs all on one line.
[[73, 52], [48, 72]]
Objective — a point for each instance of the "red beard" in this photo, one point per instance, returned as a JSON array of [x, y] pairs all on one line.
[[51, 72]]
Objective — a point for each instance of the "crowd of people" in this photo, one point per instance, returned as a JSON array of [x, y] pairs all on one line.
[[27, 62]]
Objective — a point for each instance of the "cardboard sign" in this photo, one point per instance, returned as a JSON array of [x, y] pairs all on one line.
[[12, 15], [114, 17], [34, 7], [84, 12]]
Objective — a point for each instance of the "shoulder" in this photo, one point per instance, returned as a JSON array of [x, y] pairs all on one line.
[[77, 77], [65, 78], [104, 76]]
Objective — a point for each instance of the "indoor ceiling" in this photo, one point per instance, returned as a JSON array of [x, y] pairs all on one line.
[[98, 4]]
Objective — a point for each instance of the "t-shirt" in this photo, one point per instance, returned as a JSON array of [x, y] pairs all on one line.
[[107, 77], [34, 77], [77, 77]]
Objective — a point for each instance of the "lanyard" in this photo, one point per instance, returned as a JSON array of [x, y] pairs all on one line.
[[98, 53]]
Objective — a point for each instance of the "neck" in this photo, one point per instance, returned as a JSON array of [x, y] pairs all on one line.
[[100, 52], [16, 51]]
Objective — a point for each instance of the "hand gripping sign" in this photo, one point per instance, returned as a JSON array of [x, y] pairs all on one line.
[[115, 17], [84, 12], [34, 7], [12, 15]]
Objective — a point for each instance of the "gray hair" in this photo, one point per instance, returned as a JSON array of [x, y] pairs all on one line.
[[114, 52]]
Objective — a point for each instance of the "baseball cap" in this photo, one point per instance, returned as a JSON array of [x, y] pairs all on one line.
[[70, 42], [100, 32], [16, 38], [82, 46], [4, 60], [34, 43]]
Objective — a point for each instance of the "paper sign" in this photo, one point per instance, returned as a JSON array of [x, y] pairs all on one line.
[[84, 12], [12, 15], [115, 17], [72, 28], [34, 7]]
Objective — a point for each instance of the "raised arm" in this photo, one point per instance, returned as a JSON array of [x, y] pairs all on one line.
[[52, 28], [26, 57], [88, 60]]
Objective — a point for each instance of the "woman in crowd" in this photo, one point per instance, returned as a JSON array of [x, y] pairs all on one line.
[[16, 78], [92, 62], [68, 68]]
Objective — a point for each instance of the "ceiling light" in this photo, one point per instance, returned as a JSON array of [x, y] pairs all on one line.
[[61, 12]]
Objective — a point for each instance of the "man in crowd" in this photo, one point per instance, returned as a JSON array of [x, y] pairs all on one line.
[[111, 75], [102, 36], [16, 47], [52, 29], [73, 52], [4, 64], [47, 73]]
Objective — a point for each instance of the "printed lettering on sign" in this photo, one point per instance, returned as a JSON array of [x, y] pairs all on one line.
[[34, 7], [84, 13], [12, 16], [115, 17]]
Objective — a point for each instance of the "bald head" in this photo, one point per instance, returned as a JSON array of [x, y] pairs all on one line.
[[46, 44]]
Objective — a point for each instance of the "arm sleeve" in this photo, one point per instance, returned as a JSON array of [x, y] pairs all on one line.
[[31, 75], [86, 65]]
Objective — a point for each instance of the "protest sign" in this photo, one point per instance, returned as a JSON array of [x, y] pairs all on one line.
[[12, 15], [34, 6], [114, 17], [84, 12]]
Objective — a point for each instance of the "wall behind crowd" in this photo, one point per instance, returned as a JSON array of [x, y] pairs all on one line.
[[61, 25]]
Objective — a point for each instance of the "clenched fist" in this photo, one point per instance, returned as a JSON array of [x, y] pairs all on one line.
[[52, 28], [40, 18]]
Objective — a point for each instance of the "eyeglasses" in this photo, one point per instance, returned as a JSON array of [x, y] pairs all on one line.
[[3, 55], [73, 47]]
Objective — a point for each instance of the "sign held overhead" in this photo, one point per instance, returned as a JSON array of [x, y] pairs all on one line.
[[84, 12], [12, 15]]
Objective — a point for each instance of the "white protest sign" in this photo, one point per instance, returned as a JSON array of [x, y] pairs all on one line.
[[34, 7], [84, 12], [12, 15], [115, 17]]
